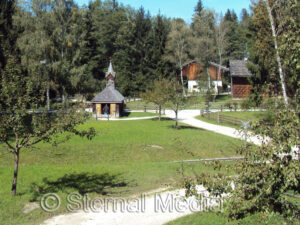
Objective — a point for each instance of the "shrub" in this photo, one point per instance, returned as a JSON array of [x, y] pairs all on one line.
[[228, 105], [246, 104], [209, 96]]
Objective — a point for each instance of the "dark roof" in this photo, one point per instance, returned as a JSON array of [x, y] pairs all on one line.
[[210, 63], [239, 68], [218, 65], [109, 95]]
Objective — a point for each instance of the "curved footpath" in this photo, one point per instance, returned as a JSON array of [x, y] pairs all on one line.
[[154, 208], [188, 117]]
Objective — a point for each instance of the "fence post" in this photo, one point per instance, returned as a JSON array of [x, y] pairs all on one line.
[[145, 108], [221, 108]]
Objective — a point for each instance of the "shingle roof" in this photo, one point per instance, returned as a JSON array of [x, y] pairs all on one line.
[[218, 65], [210, 63], [239, 68], [109, 95]]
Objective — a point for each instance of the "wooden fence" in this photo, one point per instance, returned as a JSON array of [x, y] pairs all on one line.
[[220, 118], [145, 108]]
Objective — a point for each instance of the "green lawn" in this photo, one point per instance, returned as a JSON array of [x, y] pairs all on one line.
[[121, 160], [137, 114], [241, 115], [245, 116], [212, 218]]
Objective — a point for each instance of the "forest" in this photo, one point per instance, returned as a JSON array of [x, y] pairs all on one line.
[[67, 48]]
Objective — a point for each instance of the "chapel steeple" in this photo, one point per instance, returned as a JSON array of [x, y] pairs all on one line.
[[110, 76]]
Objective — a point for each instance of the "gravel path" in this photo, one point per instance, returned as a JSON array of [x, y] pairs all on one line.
[[154, 209], [188, 117]]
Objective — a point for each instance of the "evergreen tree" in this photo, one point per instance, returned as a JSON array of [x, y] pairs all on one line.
[[103, 23], [235, 47], [199, 7], [124, 59], [7, 36], [243, 27], [204, 40], [161, 30], [143, 50], [135, 58]]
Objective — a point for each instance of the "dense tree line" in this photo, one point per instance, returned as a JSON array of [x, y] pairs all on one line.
[[68, 48]]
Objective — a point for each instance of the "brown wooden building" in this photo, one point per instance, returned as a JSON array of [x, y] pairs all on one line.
[[110, 101], [240, 75], [193, 69]]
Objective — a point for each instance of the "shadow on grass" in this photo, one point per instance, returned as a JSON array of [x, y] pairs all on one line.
[[162, 119], [184, 127], [126, 114], [81, 182]]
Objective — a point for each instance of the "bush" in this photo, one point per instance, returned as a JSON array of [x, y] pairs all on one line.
[[246, 104], [255, 99], [228, 105]]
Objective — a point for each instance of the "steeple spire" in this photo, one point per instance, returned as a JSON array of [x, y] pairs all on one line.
[[110, 76], [110, 70]]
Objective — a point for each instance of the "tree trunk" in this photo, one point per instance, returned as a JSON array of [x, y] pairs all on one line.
[[159, 116], [64, 96], [218, 77], [181, 77], [281, 74], [48, 98], [176, 119], [16, 168], [219, 71], [208, 78]]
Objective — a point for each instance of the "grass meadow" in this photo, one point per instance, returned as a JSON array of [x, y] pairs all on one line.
[[125, 158]]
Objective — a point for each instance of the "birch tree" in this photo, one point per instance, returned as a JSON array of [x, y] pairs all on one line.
[[278, 58], [178, 46], [221, 31]]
